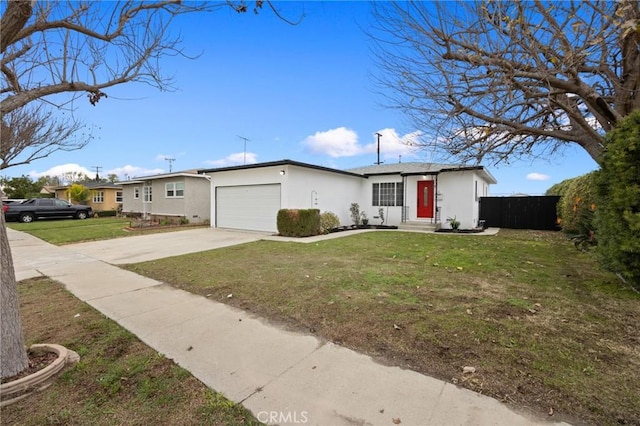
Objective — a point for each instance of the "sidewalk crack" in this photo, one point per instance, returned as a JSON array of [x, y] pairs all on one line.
[[261, 388]]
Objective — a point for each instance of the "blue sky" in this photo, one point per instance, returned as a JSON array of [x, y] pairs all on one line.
[[301, 92]]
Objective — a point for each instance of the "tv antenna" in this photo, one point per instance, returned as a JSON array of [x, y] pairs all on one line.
[[170, 160], [245, 147], [378, 162]]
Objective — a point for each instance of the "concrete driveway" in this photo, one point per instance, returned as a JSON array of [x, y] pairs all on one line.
[[141, 248]]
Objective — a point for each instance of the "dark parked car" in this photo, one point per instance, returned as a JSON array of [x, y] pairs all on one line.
[[44, 208]]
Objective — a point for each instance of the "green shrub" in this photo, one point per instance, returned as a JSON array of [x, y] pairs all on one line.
[[618, 191], [454, 223], [355, 213], [559, 188], [577, 206], [78, 193], [106, 213], [328, 221], [298, 222]]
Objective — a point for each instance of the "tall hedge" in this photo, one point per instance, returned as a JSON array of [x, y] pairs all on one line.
[[618, 191], [577, 204]]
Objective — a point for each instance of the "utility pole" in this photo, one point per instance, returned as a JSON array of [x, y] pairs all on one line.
[[170, 160], [379, 162], [97, 172], [245, 147]]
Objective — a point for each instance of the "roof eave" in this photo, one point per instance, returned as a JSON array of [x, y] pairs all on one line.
[[280, 163]]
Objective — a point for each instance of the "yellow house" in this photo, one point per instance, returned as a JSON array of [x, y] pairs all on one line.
[[104, 195]]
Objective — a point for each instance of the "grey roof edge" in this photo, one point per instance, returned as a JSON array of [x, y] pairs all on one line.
[[416, 168], [142, 179], [93, 185], [400, 168], [285, 162], [483, 170]]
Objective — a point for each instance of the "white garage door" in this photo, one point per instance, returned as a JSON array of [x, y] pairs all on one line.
[[250, 207]]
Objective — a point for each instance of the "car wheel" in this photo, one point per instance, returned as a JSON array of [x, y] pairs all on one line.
[[27, 217], [81, 215]]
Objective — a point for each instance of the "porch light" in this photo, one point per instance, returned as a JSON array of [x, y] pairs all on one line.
[[282, 172]]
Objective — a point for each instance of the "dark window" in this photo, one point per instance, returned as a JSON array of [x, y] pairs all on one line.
[[388, 194]]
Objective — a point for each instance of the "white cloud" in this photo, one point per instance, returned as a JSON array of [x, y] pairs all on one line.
[[340, 142], [393, 145], [61, 170], [129, 172], [343, 142], [123, 173], [163, 157], [537, 176], [235, 160]]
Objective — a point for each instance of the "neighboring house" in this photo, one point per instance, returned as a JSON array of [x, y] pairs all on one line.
[[48, 191], [170, 197], [249, 196], [104, 195]]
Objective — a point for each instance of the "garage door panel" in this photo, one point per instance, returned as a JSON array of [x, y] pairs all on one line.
[[250, 207]]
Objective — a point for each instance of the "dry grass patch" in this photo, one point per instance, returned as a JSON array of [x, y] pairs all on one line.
[[544, 327], [119, 380]]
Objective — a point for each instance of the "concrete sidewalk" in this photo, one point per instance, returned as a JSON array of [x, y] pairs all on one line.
[[282, 377]]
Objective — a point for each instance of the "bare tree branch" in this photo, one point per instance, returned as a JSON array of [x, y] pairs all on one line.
[[497, 79], [75, 47], [31, 133]]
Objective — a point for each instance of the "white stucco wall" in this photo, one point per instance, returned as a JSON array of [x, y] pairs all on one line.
[[460, 198], [456, 198], [326, 191]]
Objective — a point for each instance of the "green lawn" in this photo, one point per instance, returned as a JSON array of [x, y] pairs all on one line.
[[73, 231], [118, 381], [544, 326]]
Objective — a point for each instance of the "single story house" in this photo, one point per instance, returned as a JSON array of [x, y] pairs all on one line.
[[104, 195], [248, 197], [169, 197]]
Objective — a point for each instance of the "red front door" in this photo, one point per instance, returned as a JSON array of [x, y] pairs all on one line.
[[425, 198]]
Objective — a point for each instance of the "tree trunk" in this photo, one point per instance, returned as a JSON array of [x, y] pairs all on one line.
[[13, 354], [14, 19]]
